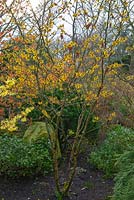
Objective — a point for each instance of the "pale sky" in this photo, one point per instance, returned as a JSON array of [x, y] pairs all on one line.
[[35, 3], [66, 25]]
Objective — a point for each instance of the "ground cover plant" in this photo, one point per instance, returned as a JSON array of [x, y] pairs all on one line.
[[115, 156], [124, 180], [118, 140], [18, 158]]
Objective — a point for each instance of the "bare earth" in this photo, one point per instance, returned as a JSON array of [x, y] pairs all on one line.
[[88, 184]]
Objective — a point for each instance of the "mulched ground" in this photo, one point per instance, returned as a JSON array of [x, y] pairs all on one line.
[[88, 184]]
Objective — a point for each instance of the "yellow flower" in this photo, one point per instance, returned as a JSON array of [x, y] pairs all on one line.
[[40, 102], [28, 110], [91, 54], [45, 113], [80, 74], [96, 78], [106, 54], [111, 116], [95, 119], [78, 86], [64, 77], [24, 119], [90, 96]]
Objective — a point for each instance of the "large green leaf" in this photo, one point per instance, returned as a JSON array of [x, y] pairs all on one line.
[[39, 130]]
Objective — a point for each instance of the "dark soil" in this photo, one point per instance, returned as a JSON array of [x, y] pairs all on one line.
[[88, 184]]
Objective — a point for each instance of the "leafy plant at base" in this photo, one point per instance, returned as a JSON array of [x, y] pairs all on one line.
[[41, 130], [119, 139], [124, 180], [18, 158]]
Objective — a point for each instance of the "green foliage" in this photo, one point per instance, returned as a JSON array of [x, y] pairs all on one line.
[[92, 131], [70, 121], [70, 114], [125, 61], [41, 130], [35, 114], [124, 181], [119, 139], [18, 158], [58, 195]]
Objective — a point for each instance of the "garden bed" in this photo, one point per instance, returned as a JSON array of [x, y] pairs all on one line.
[[88, 184]]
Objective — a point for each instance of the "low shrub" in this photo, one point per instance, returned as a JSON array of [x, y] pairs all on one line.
[[124, 181], [18, 158], [118, 140]]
